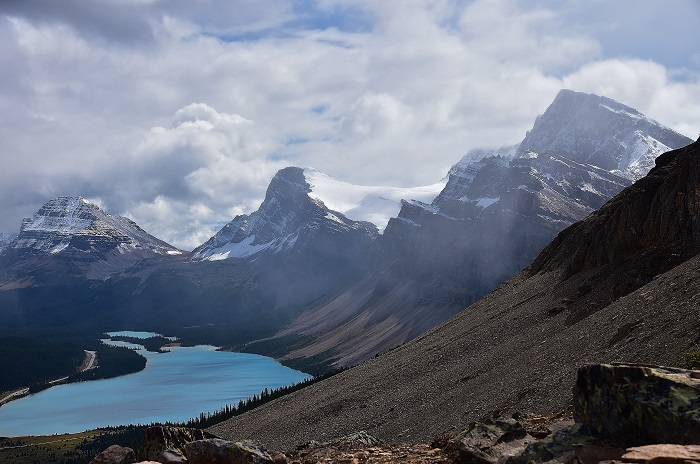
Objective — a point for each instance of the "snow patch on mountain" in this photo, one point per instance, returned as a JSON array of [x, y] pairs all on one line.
[[6, 239], [485, 202], [242, 249], [629, 114], [375, 204], [640, 156]]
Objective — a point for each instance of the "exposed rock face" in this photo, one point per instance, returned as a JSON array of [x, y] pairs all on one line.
[[488, 441], [72, 237], [287, 218], [115, 454], [601, 132], [218, 451], [638, 405], [160, 439], [652, 228]]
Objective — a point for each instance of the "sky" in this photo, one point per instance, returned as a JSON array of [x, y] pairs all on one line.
[[177, 113]]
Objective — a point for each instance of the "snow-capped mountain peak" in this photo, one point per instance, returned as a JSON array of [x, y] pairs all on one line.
[[599, 131], [579, 153], [290, 212], [302, 201], [74, 222]]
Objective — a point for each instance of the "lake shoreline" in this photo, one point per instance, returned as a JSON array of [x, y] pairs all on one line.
[[172, 387]]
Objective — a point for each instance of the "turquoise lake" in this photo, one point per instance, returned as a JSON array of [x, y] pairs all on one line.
[[174, 386]]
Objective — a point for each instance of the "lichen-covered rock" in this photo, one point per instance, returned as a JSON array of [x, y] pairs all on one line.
[[356, 440], [631, 405], [360, 438], [487, 441], [557, 447], [159, 439], [218, 451], [115, 454]]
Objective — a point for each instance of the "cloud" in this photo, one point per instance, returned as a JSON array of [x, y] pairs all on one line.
[[179, 113], [182, 183], [646, 86]]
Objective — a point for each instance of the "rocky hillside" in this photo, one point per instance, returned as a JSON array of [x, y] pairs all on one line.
[[519, 346]]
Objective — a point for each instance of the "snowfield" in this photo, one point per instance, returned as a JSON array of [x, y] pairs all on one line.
[[373, 204]]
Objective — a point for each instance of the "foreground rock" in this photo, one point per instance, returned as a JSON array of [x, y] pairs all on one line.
[[115, 454], [620, 406], [663, 454], [171, 441], [218, 451], [487, 441], [630, 405]]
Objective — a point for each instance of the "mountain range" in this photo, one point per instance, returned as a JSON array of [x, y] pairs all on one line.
[[325, 273], [620, 285], [498, 209]]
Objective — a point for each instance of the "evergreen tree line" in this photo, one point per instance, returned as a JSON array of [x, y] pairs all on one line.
[[205, 420], [134, 436], [34, 362], [113, 361]]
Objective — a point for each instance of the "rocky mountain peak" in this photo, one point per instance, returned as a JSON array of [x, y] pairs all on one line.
[[596, 130], [288, 213], [75, 223]]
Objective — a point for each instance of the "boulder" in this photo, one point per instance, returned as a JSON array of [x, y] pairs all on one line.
[[593, 454], [557, 447], [218, 451], [171, 457], [487, 441], [115, 454], [632, 405], [162, 438], [663, 453]]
